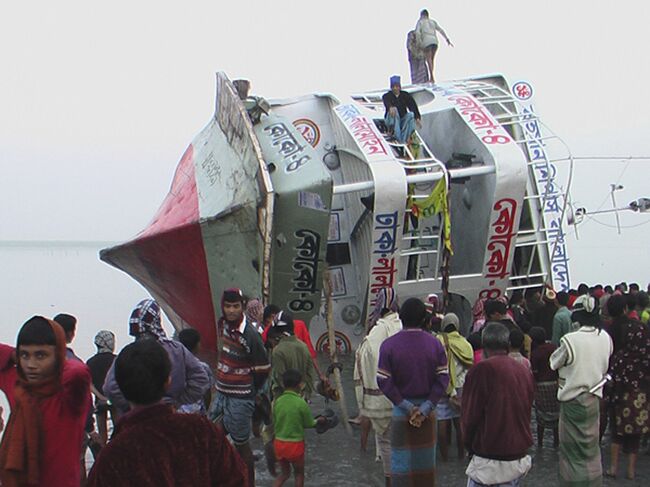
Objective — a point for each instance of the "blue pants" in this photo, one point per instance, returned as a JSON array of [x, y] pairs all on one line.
[[235, 414], [402, 129]]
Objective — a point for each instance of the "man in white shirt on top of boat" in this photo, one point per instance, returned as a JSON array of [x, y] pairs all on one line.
[[426, 36]]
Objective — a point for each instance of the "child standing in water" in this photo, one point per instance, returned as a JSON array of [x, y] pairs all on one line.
[[291, 416]]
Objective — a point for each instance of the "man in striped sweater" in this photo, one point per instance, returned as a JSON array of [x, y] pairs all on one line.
[[242, 369]]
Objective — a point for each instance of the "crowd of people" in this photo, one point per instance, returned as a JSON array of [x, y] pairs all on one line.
[[176, 420], [578, 360]]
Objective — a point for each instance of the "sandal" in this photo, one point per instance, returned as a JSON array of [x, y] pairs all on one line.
[[608, 473]]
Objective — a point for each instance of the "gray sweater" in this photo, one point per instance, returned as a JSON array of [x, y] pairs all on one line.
[[189, 379]]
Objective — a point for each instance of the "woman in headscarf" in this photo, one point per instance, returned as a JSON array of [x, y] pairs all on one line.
[[373, 405], [50, 400], [189, 380], [460, 357], [417, 61], [99, 365], [627, 394], [255, 313], [478, 314]]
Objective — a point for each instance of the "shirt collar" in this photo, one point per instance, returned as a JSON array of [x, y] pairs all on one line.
[[242, 326]]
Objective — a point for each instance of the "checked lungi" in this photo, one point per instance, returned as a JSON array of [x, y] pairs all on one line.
[[580, 463], [413, 451]]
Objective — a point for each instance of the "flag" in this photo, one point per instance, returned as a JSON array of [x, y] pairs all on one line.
[[433, 204]]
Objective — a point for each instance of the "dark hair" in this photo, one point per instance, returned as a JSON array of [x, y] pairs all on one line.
[[274, 333], [537, 335], [609, 289], [284, 322], [67, 322], [642, 299], [516, 298], [190, 338], [530, 292], [271, 309], [616, 305], [233, 296], [495, 336], [36, 331], [413, 313], [630, 299], [494, 306], [424, 12], [562, 298], [291, 379], [583, 289], [516, 338], [141, 371], [475, 340], [633, 286]]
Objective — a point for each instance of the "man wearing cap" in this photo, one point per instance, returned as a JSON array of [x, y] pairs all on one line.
[[582, 360], [289, 353], [242, 369], [402, 112], [460, 357]]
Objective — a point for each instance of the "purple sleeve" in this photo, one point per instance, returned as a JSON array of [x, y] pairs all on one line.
[[441, 381], [385, 377]]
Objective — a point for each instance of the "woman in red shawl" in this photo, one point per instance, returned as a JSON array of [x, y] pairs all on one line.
[[50, 399]]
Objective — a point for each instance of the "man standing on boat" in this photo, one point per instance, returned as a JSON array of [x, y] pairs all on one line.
[[402, 112], [426, 35], [242, 369]]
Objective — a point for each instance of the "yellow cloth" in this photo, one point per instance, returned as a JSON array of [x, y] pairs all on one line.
[[459, 354], [433, 204]]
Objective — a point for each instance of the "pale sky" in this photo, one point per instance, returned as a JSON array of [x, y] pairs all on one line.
[[98, 100]]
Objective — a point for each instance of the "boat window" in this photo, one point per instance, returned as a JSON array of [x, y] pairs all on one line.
[[338, 254]]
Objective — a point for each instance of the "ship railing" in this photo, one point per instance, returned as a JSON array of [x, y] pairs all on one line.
[[416, 242], [511, 114]]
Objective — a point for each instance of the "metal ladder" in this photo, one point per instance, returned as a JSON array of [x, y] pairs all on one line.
[[415, 243]]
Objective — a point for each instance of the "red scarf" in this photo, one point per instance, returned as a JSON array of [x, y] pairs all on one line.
[[23, 437]]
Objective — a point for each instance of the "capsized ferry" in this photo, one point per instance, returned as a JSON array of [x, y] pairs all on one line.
[[271, 196]]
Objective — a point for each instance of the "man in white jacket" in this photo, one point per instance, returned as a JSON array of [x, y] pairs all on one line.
[[426, 35], [373, 405], [582, 360]]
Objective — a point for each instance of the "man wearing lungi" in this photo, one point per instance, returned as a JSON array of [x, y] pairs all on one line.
[[413, 375], [495, 416], [582, 360]]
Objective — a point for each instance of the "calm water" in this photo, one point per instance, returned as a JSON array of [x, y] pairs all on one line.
[[51, 277]]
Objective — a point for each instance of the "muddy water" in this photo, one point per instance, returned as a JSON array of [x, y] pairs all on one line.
[[334, 458]]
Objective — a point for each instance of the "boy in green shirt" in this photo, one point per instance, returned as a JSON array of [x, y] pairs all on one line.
[[291, 416]]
